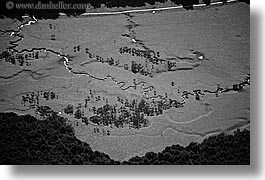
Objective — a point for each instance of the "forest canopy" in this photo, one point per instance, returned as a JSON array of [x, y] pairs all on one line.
[[27, 140]]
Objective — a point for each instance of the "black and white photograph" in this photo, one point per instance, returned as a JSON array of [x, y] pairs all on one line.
[[135, 82]]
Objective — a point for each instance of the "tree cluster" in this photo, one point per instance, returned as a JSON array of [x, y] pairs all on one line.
[[26, 140], [216, 150]]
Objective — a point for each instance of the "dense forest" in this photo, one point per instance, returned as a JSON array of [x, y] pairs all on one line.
[[8, 9], [27, 140]]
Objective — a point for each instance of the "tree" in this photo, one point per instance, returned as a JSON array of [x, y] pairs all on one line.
[[69, 109], [78, 114]]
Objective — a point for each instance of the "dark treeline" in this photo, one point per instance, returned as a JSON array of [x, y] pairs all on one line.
[[215, 150], [26, 140], [10, 10]]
